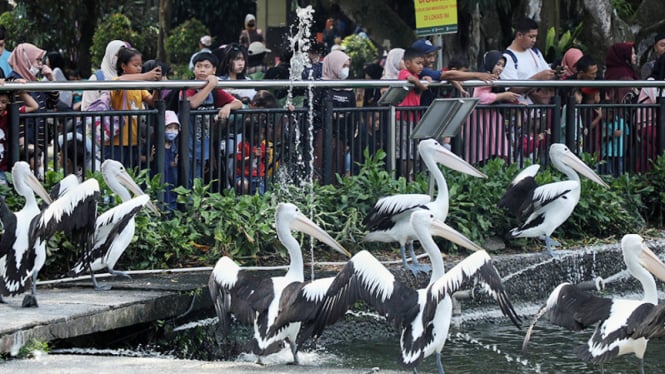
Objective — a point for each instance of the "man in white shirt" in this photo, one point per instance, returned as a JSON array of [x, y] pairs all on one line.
[[523, 61]]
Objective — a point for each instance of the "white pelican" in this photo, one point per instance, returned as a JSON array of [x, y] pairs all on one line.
[[619, 319], [389, 219], [113, 229], [17, 258], [548, 206], [423, 315], [260, 301]]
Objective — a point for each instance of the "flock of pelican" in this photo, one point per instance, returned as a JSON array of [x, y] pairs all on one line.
[[72, 209], [289, 309]]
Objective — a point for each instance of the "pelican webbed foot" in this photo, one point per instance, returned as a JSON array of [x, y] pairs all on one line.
[[29, 301], [120, 274], [549, 244]]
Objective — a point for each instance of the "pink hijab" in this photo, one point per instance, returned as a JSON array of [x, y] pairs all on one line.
[[332, 65], [569, 60], [22, 57]]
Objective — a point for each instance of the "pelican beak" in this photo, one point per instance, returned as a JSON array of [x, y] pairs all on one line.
[[440, 229], [128, 182], [652, 263], [36, 186], [582, 168], [304, 224], [450, 160]]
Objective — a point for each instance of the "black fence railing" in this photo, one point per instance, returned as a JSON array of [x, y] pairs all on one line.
[[256, 148]]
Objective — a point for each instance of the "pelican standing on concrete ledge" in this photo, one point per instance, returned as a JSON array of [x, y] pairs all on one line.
[[548, 206], [423, 315], [389, 219], [113, 229], [260, 301], [17, 258], [621, 322]]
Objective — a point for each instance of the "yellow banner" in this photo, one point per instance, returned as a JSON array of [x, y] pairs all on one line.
[[435, 17]]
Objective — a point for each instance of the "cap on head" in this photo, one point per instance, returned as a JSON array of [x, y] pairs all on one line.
[[256, 48], [206, 40], [425, 46]]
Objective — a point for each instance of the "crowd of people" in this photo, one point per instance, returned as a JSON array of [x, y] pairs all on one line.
[[506, 131]]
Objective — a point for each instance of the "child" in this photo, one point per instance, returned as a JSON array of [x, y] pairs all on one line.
[[207, 98], [413, 66], [251, 160], [171, 131], [29, 105], [124, 146], [614, 134]]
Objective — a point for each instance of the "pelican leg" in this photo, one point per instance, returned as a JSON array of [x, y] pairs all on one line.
[[414, 260], [641, 365], [119, 273], [94, 281], [294, 351], [439, 365], [549, 243], [30, 301], [2, 301]]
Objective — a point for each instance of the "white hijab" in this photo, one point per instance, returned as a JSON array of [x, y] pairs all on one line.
[[391, 68]]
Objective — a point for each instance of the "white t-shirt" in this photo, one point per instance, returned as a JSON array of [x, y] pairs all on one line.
[[529, 63]]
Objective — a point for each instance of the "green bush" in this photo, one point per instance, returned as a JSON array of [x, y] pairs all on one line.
[[19, 28], [362, 51], [184, 40], [115, 27]]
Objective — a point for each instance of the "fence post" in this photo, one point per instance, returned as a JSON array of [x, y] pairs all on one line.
[[160, 139], [661, 125], [392, 158], [328, 151], [13, 132], [571, 123], [556, 120], [183, 150]]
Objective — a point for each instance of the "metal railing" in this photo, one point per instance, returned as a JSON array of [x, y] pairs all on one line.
[[298, 143]]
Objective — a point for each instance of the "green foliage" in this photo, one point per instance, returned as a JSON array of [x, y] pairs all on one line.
[[361, 51], [115, 27], [33, 345], [19, 28], [556, 48], [623, 8], [184, 40]]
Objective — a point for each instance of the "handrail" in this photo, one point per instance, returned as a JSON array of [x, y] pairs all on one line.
[[184, 84]]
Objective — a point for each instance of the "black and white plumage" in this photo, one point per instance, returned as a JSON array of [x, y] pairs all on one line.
[[389, 219], [17, 257], [114, 229], [546, 207], [262, 301], [622, 324], [423, 315]]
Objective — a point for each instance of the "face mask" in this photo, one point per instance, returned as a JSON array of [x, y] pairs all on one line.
[[35, 71], [251, 24], [344, 73], [171, 135]]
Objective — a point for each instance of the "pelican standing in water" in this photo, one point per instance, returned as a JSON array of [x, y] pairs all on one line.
[[113, 229], [389, 219], [548, 206], [622, 324], [17, 258], [261, 301], [423, 315]]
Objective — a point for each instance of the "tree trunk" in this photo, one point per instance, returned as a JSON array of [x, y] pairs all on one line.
[[603, 28], [164, 28]]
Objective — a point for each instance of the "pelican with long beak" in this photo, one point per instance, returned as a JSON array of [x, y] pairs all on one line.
[[389, 219], [261, 302], [114, 229], [622, 324], [548, 206]]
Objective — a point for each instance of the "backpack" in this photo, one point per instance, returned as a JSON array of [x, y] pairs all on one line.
[[105, 127], [514, 58]]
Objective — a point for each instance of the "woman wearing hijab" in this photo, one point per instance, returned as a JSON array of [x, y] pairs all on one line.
[[106, 72], [569, 62], [484, 134], [250, 33], [393, 64], [27, 62], [620, 65]]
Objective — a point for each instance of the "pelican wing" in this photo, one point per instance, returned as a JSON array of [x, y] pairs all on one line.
[[108, 226], [365, 278], [64, 186], [571, 308], [517, 198], [382, 216], [653, 325], [478, 267], [13, 273]]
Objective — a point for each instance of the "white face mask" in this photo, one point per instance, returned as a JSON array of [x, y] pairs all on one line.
[[344, 73], [35, 71]]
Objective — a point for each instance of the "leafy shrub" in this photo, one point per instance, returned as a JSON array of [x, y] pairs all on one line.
[[19, 28], [362, 51], [115, 27], [184, 39]]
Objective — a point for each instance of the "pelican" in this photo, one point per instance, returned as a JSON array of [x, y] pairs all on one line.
[[548, 206], [389, 219], [619, 319], [260, 301], [423, 315], [16, 256], [113, 229]]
